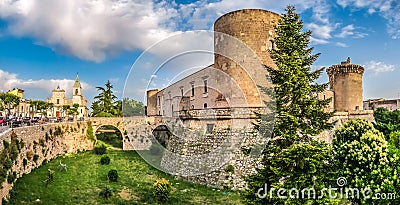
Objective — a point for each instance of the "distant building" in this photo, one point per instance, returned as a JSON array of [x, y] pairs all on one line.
[[373, 104], [23, 109], [59, 99]]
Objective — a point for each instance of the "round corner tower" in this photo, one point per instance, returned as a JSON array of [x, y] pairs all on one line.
[[253, 28], [345, 81]]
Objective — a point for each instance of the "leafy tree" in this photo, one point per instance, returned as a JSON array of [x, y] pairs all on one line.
[[132, 108], [387, 121], [292, 158], [73, 110], [65, 109], [9, 101], [39, 106], [106, 103], [365, 160]]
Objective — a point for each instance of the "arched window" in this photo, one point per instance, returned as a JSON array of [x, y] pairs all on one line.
[[192, 107], [76, 91], [205, 105], [58, 101]]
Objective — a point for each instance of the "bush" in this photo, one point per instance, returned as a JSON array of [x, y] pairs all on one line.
[[100, 149], [230, 168], [106, 193], [50, 176], [395, 138], [162, 189], [113, 175], [105, 160], [35, 158], [364, 159], [11, 177]]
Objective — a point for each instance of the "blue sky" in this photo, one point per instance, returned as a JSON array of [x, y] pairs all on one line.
[[44, 43]]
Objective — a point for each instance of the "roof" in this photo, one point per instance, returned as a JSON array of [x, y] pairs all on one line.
[[77, 82]]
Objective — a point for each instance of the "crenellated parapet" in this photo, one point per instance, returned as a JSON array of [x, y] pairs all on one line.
[[345, 81]]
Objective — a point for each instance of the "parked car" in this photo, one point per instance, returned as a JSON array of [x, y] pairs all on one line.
[[16, 122], [35, 120], [52, 119], [2, 120], [26, 120]]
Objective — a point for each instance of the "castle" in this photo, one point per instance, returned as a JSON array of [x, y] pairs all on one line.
[[227, 91]]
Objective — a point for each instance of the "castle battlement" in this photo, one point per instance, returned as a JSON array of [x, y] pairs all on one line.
[[345, 67]]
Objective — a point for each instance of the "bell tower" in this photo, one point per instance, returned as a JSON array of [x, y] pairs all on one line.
[[77, 88]]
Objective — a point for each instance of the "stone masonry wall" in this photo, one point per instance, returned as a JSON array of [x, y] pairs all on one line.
[[45, 142], [198, 150], [231, 164]]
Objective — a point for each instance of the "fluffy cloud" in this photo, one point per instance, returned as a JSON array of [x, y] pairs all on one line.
[[379, 67], [349, 30], [388, 9], [90, 29], [39, 88]]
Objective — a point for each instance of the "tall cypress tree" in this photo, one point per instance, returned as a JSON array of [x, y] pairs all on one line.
[[292, 158]]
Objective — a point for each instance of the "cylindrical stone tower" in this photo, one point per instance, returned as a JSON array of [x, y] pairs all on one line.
[[255, 29], [345, 81], [151, 109]]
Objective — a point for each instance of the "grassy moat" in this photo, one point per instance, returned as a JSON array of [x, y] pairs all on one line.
[[86, 177]]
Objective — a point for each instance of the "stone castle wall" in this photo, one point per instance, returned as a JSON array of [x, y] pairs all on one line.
[[44, 141], [222, 168]]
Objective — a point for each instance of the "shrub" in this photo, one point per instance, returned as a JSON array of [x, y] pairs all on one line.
[[29, 155], [50, 176], [364, 159], [105, 160], [89, 131], [25, 162], [11, 177], [100, 149], [162, 189], [395, 138], [7, 163], [35, 158], [230, 168], [106, 193], [113, 175]]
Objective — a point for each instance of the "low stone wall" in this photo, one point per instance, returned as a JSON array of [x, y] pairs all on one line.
[[47, 142]]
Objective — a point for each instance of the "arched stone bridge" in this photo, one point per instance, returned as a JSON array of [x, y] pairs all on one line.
[[136, 131]]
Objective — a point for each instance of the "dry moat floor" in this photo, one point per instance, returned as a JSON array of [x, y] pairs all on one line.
[[86, 177]]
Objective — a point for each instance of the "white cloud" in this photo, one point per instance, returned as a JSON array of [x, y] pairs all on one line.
[[320, 31], [342, 44], [378, 67], [388, 9], [318, 41], [349, 30], [90, 29], [42, 87]]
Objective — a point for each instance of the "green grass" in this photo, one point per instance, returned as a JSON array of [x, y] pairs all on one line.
[[85, 177]]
